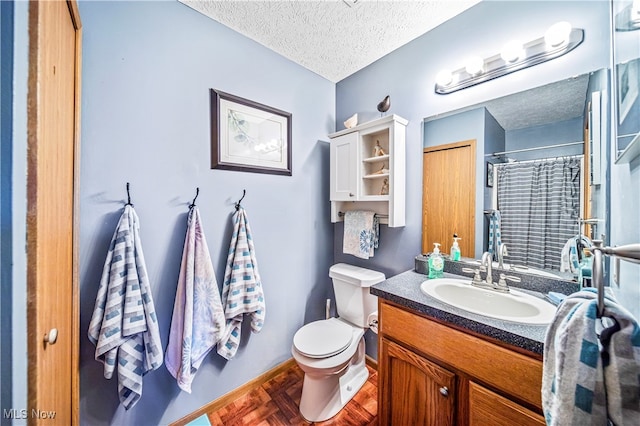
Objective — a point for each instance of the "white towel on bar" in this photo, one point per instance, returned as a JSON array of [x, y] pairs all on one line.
[[242, 288], [198, 319], [124, 327], [361, 231]]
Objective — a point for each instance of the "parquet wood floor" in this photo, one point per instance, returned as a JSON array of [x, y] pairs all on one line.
[[275, 403]]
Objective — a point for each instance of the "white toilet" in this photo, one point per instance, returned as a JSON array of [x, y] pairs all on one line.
[[331, 352]]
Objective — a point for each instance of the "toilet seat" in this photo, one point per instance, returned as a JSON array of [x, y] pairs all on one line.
[[323, 339]]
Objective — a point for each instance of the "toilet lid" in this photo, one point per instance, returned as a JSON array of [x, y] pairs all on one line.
[[321, 339]]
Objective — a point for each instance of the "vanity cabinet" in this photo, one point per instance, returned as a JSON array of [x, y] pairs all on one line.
[[367, 170], [433, 374]]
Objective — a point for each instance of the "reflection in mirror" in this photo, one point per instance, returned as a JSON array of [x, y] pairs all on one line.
[[546, 200], [626, 56]]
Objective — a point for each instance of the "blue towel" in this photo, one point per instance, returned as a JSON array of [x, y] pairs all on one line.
[[124, 327], [494, 232], [589, 379], [242, 288]]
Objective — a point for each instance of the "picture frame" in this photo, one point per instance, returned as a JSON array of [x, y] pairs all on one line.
[[627, 74], [248, 136], [490, 169]]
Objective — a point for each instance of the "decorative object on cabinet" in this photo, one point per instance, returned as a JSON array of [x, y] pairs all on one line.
[[358, 176], [384, 104], [351, 121], [248, 136]]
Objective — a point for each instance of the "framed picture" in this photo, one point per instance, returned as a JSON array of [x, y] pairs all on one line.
[[490, 175], [627, 87], [248, 136]]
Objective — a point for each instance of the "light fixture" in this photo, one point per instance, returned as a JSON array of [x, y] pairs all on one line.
[[512, 51], [560, 39]]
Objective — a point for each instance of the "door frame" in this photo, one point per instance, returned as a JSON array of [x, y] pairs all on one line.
[[35, 305]]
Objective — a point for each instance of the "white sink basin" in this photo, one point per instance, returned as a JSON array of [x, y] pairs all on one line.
[[514, 306]]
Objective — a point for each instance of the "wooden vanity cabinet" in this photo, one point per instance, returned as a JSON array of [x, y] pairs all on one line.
[[433, 374]]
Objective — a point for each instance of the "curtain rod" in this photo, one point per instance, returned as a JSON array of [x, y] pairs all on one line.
[[496, 154]]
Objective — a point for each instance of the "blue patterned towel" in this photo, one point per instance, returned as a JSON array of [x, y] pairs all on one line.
[[361, 233], [589, 379], [242, 288], [198, 318], [494, 232], [124, 327]]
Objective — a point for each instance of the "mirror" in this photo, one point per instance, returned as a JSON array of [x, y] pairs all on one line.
[[549, 122], [626, 59]]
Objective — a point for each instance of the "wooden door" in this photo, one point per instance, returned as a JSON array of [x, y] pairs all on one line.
[[412, 390], [449, 196], [53, 131]]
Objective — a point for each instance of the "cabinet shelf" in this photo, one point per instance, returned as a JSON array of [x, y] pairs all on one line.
[[356, 178], [375, 176], [376, 159]]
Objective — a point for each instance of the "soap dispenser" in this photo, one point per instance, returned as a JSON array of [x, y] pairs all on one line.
[[436, 263], [455, 248]]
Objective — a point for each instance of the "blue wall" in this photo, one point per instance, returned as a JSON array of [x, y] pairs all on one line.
[[147, 70], [408, 74]]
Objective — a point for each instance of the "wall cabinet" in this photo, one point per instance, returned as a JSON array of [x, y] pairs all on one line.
[[367, 170], [432, 374]]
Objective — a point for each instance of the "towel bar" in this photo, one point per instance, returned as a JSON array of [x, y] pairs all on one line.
[[629, 252], [379, 215]]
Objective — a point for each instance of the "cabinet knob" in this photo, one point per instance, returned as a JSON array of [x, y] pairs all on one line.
[[51, 337], [444, 391], [351, 195]]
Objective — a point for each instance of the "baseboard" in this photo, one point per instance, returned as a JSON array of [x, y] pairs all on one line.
[[373, 363], [236, 393]]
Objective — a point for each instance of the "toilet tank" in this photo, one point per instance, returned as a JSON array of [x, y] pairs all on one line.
[[351, 286]]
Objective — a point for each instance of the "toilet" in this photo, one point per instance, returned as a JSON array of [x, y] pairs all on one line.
[[331, 352]]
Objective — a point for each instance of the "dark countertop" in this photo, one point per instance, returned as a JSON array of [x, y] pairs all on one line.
[[404, 290]]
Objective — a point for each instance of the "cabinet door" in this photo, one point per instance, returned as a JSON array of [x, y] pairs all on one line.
[[343, 162], [488, 408], [413, 391]]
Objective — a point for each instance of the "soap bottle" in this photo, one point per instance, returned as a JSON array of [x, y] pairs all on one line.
[[436, 263], [455, 248]]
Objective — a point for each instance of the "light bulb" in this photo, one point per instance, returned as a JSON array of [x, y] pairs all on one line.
[[557, 34], [444, 78], [512, 51], [475, 65]]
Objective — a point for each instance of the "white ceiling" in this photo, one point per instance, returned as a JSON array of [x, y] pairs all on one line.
[[336, 38], [333, 38]]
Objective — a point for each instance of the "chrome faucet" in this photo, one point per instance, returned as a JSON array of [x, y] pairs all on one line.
[[502, 252], [486, 262]]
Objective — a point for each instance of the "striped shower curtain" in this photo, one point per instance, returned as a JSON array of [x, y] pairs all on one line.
[[540, 204]]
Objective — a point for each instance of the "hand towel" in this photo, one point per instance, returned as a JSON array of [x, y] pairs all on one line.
[[570, 255], [586, 379], [361, 233], [124, 327], [198, 318], [494, 233], [242, 288]]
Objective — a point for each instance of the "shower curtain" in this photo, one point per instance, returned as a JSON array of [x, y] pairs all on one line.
[[540, 204]]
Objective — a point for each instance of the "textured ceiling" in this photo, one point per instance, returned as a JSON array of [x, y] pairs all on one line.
[[553, 102], [333, 38]]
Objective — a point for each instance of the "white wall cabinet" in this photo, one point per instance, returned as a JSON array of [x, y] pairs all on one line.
[[368, 170]]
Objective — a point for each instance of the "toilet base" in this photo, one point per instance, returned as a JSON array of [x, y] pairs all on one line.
[[324, 396]]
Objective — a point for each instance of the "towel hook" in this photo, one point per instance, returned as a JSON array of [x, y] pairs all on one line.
[[193, 203], [128, 197], [244, 192]]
